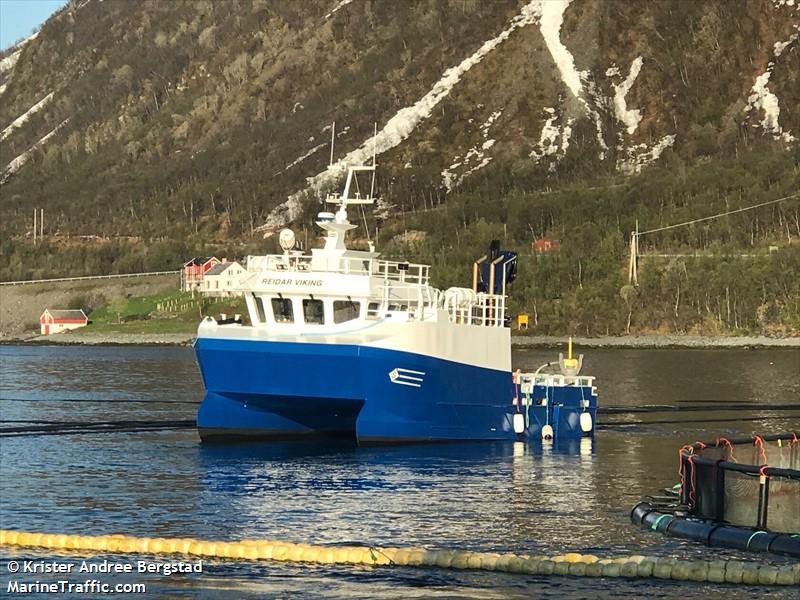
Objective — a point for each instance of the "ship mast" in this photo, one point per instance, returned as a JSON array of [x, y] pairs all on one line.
[[338, 226]]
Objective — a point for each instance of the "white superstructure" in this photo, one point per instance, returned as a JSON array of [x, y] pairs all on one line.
[[341, 296]]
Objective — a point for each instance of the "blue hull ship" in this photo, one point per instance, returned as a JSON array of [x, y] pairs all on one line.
[[343, 344]]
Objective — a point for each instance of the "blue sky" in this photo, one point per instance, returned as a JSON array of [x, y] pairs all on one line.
[[18, 18]]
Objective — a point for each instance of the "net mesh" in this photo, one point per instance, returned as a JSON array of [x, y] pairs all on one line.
[[731, 496]]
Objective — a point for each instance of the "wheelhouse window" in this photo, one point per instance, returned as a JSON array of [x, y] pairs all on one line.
[[372, 310], [345, 310], [313, 312], [259, 302], [282, 310]]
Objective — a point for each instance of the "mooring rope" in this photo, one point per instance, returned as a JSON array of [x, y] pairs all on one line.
[[658, 408], [619, 423], [75, 427], [580, 565]]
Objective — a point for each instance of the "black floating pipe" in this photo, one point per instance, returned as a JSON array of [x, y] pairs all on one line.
[[716, 534]]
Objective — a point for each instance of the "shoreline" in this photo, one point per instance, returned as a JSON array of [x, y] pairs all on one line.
[[517, 341], [658, 341]]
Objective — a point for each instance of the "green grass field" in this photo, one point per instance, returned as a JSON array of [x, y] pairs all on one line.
[[169, 312]]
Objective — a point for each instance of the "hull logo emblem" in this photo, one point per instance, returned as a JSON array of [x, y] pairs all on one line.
[[406, 377]]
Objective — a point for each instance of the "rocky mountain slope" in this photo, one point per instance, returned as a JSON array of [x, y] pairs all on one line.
[[152, 130], [211, 114]]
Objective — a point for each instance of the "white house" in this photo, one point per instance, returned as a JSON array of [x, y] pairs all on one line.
[[222, 278], [59, 321]]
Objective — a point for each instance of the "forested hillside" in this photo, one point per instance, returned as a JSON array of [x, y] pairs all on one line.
[[152, 131]]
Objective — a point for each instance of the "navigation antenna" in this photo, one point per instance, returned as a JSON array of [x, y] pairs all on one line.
[[345, 199], [371, 186]]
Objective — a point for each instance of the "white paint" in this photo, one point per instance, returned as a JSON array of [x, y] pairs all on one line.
[[641, 155], [22, 119], [407, 377], [400, 126], [628, 117], [487, 347], [475, 345], [338, 7]]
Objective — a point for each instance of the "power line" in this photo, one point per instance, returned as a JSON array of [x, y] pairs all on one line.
[[633, 261], [730, 212]]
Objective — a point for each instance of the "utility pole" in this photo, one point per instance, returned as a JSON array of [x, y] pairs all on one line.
[[633, 261], [35, 227], [333, 140], [41, 225]]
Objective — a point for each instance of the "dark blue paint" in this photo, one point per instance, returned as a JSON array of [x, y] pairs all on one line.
[[282, 389]]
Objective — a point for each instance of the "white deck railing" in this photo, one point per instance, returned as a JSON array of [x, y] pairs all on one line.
[[487, 310], [558, 380], [388, 270]]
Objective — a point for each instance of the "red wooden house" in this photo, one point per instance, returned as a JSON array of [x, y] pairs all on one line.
[[195, 270], [544, 245], [58, 321]]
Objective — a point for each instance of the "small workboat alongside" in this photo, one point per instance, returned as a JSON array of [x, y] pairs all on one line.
[[344, 343]]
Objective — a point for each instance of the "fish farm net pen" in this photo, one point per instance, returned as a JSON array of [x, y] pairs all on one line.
[[741, 489], [742, 493]]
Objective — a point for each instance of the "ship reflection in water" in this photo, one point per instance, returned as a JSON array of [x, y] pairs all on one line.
[[480, 494], [541, 498]]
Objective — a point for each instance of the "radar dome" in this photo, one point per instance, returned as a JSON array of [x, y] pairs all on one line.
[[286, 239]]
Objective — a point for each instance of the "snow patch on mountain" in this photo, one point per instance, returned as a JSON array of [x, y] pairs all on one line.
[[549, 144], [337, 8], [550, 25], [9, 61], [762, 99], [594, 114], [313, 150], [575, 80], [779, 47], [20, 160], [641, 155], [788, 3], [300, 159], [22, 119], [400, 126], [627, 116], [474, 159]]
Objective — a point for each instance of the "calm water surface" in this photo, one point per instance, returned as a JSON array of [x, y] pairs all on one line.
[[509, 497]]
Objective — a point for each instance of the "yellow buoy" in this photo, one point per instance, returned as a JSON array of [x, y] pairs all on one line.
[[571, 563]]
